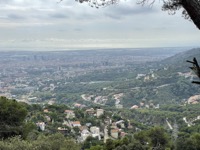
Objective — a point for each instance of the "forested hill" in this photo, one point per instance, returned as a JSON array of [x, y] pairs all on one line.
[[180, 57], [178, 61], [168, 81]]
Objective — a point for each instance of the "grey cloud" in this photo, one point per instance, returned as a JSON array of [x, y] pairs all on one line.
[[113, 16], [6, 1], [58, 16], [122, 11], [71, 20], [15, 17], [135, 11], [78, 29], [86, 17]]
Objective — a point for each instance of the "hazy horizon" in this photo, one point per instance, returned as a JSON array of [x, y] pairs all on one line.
[[92, 49]]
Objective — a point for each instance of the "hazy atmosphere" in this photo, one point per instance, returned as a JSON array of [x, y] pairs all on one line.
[[49, 25], [121, 77]]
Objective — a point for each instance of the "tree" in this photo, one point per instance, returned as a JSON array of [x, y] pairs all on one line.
[[92, 141], [97, 147], [109, 144], [12, 115], [158, 138], [189, 143], [50, 142], [191, 8]]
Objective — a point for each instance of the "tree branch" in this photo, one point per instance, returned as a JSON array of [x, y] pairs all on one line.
[[195, 68], [143, 2]]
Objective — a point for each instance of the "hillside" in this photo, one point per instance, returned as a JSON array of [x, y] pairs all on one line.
[[178, 61], [180, 57], [114, 77], [168, 81], [163, 82]]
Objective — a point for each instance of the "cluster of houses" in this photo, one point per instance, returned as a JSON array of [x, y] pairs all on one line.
[[143, 105], [113, 130], [147, 77], [87, 129], [103, 99]]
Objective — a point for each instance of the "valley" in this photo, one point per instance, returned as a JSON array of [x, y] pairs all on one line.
[[63, 77], [97, 98]]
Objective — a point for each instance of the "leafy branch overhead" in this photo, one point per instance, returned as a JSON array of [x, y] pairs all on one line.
[[191, 8]]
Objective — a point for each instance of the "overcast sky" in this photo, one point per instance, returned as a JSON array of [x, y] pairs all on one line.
[[48, 25]]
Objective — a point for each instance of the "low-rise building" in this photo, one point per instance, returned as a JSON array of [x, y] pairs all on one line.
[[90, 111], [83, 128], [95, 131], [115, 133], [69, 114], [121, 123], [46, 111], [63, 130], [41, 125], [99, 112], [84, 134], [76, 124]]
